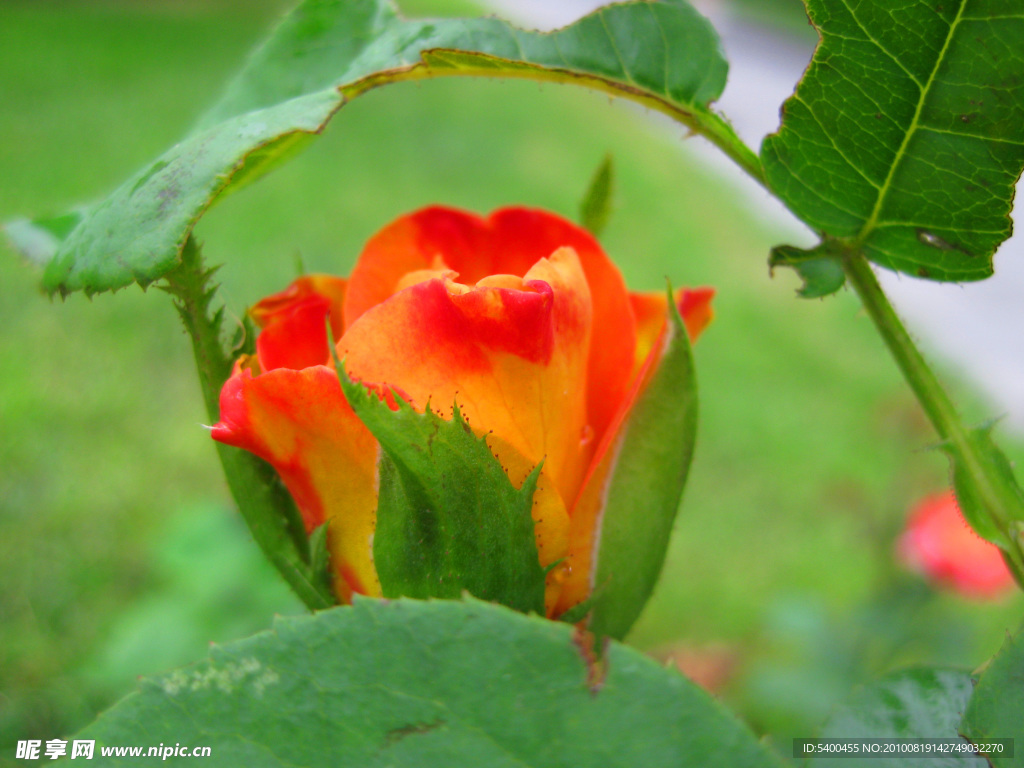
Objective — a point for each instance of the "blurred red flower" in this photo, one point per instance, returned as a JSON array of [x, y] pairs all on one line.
[[938, 543]]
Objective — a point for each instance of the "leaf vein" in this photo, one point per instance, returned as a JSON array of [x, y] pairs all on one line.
[[813, 189], [945, 225], [828, 135], [871, 38], [898, 158], [615, 48], [666, 49], [969, 135], [519, 45]]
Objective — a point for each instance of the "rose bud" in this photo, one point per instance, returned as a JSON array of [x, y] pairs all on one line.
[[518, 327]]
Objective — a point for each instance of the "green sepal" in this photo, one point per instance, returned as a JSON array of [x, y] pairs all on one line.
[[449, 519], [580, 611], [645, 485], [320, 558], [596, 206], [819, 268], [996, 708]]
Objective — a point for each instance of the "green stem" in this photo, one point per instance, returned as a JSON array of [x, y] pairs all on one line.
[[262, 499], [977, 463], [718, 131], [933, 398]]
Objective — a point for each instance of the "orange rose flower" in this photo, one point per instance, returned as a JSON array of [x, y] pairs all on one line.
[[939, 544], [519, 317]]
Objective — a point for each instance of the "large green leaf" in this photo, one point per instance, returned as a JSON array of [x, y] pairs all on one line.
[[408, 683], [326, 52], [448, 518], [643, 490], [996, 710], [912, 704], [906, 135]]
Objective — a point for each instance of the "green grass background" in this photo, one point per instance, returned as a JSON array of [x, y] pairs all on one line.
[[119, 550]]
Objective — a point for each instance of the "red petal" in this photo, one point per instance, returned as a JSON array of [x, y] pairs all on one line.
[[510, 241], [512, 352], [694, 305], [300, 422], [294, 333]]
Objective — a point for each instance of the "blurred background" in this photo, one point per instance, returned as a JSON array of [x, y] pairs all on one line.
[[120, 552]]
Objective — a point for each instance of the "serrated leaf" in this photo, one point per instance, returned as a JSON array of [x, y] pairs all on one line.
[[971, 502], [996, 710], [906, 135], [911, 704], [409, 683], [138, 233], [819, 268], [327, 52], [596, 206], [643, 491], [993, 508], [448, 518]]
